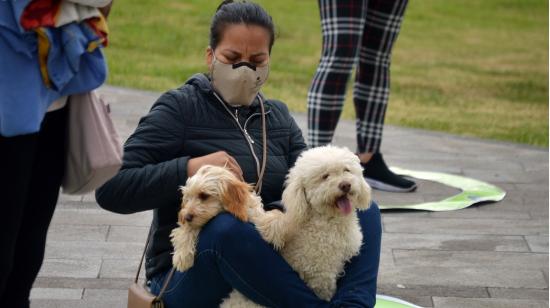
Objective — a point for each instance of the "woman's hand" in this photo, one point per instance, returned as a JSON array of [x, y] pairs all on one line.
[[220, 158]]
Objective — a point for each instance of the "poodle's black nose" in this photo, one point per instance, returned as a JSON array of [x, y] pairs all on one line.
[[344, 186], [188, 217]]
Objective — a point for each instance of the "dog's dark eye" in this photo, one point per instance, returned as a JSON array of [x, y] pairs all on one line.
[[325, 176], [203, 196], [347, 170]]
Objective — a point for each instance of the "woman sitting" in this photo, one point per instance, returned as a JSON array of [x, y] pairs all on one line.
[[215, 119]]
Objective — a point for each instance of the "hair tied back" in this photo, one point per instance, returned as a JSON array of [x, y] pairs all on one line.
[[232, 12], [224, 2]]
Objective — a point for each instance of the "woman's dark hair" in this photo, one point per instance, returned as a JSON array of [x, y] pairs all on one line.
[[241, 12]]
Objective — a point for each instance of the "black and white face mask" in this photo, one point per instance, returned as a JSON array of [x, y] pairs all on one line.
[[239, 83]]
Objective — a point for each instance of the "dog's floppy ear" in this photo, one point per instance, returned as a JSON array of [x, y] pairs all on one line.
[[294, 199], [182, 190], [364, 197], [235, 198], [181, 219]]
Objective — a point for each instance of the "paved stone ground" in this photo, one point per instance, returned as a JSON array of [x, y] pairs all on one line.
[[490, 255]]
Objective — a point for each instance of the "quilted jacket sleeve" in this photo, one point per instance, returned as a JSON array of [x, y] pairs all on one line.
[[152, 169]]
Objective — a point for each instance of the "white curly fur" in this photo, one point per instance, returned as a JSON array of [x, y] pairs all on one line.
[[207, 193], [314, 235]]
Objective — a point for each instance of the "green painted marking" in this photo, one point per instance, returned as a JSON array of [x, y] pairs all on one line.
[[473, 191], [384, 301]]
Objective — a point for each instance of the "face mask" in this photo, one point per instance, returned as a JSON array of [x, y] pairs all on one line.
[[238, 83]]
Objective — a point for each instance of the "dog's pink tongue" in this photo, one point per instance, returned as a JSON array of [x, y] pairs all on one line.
[[344, 205]]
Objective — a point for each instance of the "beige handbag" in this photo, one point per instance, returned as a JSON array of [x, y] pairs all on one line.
[[94, 151]]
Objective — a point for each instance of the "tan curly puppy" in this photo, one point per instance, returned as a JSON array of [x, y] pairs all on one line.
[[320, 229], [207, 193]]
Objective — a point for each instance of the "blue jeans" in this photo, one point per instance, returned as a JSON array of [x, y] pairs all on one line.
[[232, 255]]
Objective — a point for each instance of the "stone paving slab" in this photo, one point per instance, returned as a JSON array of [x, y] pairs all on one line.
[[74, 268], [127, 234], [536, 294], [422, 295], [56, 293], [537, 243], [451, 242], [458, 302], [433, 291], [83, 303], [88, 249], [99, 217], [475, 212], [77, 233], [105, 294], [498, 261], [488, 255], [433, 225], [463, 276], [82, 283], [120, 268]]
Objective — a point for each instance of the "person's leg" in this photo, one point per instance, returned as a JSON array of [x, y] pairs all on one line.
[[372, 79], [372, 90], [16, 156], [357, 288], [232, 254], [342, 26], [47, 173]]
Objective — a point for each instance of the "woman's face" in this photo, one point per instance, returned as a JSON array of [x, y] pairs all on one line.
[[241, 43]]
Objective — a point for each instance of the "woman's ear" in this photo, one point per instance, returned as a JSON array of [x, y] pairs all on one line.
[[235, 198], [209, 57]]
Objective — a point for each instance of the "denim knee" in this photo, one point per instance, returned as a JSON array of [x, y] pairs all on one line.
[[371, 222], [226, 231], [373, 213]]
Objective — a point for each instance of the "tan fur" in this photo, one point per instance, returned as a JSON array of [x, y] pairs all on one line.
[[314, 237], [235, 196], [224, 193]]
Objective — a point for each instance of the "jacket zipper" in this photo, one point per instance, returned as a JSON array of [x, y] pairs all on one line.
[[244, 127], [249, 140], [253, 115]]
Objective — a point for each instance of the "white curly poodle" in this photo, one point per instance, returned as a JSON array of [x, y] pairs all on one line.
[[320, 229]]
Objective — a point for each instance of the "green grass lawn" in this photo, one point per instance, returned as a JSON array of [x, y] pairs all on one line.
[[468, 67]]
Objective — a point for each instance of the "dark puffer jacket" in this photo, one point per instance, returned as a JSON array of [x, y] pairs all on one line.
[[190, 122]]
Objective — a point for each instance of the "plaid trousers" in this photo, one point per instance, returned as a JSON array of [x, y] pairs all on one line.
[[356, 33]]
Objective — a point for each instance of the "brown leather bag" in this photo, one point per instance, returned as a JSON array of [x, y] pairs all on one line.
[[138, 294], [139, 297]]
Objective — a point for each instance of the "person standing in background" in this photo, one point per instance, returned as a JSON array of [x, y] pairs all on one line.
[[48, 51], [360, 33]]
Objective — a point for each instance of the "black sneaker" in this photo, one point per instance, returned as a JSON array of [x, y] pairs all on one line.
[[380, 177]]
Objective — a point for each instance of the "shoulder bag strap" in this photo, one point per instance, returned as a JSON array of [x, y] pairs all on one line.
[[167, 279], [258, 186], [143, 254]]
